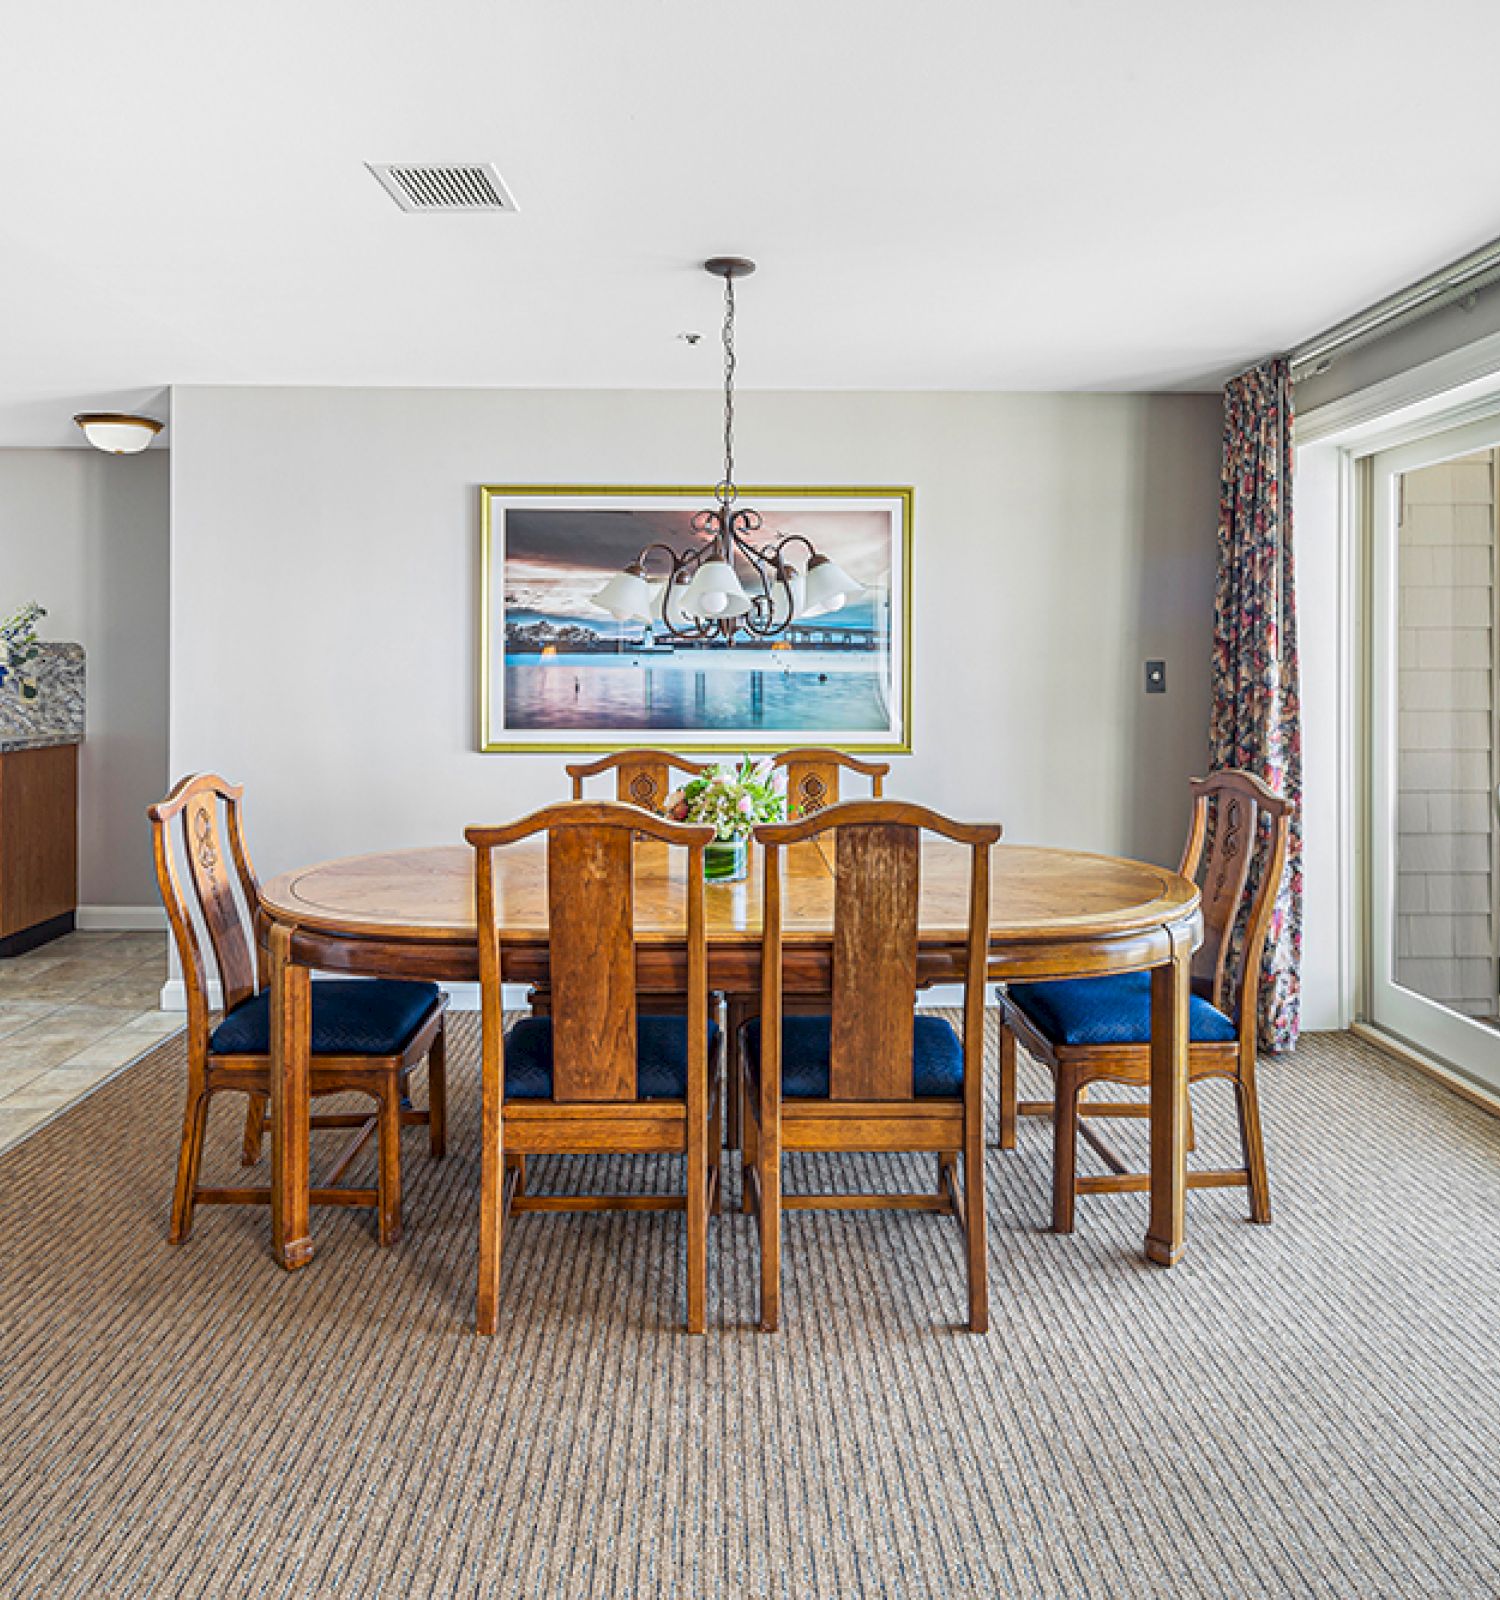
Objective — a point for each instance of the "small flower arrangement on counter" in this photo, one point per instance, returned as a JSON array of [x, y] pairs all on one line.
[[19, 647], [734, 799]]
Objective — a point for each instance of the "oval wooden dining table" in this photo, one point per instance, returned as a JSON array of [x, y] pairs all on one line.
[[410, 913]]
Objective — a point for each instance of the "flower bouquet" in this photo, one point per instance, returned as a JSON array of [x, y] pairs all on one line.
[[734, 798], [19, 648]]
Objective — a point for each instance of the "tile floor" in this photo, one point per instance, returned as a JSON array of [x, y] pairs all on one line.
[[72, 1014]]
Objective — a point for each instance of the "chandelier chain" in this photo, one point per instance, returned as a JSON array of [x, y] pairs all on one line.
[[727, 488]]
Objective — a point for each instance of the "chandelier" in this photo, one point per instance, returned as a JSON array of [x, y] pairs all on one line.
[[729, 584]]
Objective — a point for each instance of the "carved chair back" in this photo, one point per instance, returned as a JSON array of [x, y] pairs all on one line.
[[812, 777], [873, 981], [591, 941], [197, 872], [1237, 841], [642, 777]]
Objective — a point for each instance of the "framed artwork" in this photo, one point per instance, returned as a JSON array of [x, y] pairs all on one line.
[[558, 672]]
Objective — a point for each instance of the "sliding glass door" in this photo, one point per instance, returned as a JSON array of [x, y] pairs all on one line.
[[1433, 964]]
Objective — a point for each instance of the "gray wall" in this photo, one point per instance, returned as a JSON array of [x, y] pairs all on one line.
[[86, 535], [325, 576]]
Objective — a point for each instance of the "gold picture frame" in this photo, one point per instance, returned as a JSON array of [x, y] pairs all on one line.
[[563, 533]]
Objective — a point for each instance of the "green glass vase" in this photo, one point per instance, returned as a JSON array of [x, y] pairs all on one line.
[[726, 860]]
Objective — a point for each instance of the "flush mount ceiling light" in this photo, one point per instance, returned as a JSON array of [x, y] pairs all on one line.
[[117, 432], [729, 584]]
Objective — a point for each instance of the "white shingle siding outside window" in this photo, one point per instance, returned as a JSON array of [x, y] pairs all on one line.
[[1446, 947]]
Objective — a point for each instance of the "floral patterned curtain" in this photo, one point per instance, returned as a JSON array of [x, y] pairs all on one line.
[[1256, 721]]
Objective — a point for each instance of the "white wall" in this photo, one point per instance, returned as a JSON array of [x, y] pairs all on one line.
[[86, 535], [325, 572], [1324, 604]]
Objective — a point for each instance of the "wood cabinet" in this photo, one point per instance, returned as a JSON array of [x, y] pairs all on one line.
[[38, 845]]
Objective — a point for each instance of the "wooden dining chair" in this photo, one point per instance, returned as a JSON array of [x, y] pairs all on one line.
[[1098, 1030], [367, 1033], [812, 777], [871, 1074], [642, 777], [812, 783], [599, 1074]]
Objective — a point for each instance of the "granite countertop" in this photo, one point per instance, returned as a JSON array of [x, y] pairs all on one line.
[[56, 716]]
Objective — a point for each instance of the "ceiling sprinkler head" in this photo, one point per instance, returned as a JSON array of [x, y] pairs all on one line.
[[690, 338]]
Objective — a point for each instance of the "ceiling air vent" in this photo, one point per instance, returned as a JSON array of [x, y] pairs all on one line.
[[444, 186]]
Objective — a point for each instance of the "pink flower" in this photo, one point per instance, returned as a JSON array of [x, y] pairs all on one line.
[[679, 811], [747, 806]]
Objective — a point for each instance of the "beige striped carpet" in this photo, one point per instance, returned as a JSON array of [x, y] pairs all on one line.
[[1310, 1409]]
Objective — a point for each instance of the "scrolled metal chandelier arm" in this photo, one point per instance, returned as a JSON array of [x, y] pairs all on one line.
[[681, 566]]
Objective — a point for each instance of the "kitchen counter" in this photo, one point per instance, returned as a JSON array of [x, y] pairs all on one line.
[[39, 742]]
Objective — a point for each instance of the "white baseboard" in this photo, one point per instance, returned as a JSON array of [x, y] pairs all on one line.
[[461, 996], [174, 995], [465, 996], [950, 994], [121, 919], [1477, 1093]]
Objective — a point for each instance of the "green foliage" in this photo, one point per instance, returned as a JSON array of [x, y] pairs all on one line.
[[733, 798], [19, 647]]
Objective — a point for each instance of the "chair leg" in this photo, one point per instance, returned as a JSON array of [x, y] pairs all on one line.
[[749, 1145], [1009, 1093], [697, 1224], [734, 1103], [491, 1207], [734, 1110], [189, 1158], [976, 1238], [947, 1165], [255, 1128], [1247, 1102], [437, 1096], [1065, 1095], [389, 1183], [716, 1143], [769, 1168]]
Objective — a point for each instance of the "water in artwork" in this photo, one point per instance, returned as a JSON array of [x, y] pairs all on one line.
[[803, 691]]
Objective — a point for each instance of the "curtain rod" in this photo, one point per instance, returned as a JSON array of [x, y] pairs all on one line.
[[1458, 281]]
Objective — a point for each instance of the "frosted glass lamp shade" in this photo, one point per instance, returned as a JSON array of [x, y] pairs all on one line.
[[673, 611], [627, 596], [715, 592], [828, 587], [117, 433]]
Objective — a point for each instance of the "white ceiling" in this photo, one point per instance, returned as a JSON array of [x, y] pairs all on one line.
[[1064, 194]]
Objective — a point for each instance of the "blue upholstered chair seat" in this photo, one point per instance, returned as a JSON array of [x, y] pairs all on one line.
[[1112, 1010], [806, 1049], [350, 1017], [661, 1064]]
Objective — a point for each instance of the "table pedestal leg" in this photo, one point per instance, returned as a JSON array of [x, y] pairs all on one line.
[[291, 1111], [1171, 988]]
